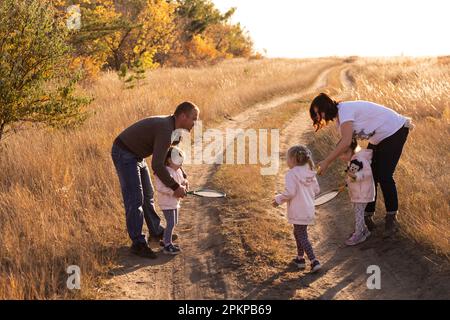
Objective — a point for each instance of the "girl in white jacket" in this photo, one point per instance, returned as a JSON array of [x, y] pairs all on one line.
[[300, 190], [361, 188], [169, 204]]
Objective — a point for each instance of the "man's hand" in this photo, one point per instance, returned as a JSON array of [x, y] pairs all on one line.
[[180, 192], [275, 203], [186, 184]]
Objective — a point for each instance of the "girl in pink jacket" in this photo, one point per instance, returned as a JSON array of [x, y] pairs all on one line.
[[361, 188], [300, 190], [169, 204]]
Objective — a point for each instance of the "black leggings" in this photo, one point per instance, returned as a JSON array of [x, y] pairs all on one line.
[[385, 158]]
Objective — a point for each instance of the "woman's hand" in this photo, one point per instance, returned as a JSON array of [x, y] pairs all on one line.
[[352, 176], [322, 167]]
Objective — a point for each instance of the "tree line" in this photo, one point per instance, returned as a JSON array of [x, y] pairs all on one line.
[[48, 46]]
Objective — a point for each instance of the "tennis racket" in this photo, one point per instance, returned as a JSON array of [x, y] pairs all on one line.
[[207, 193], [328, 196]]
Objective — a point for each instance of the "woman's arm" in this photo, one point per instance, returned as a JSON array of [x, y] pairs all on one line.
[[344, 144]]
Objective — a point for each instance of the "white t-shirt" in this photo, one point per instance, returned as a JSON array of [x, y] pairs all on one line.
[[371, 121]]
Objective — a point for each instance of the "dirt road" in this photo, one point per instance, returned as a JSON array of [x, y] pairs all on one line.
[[202, 272]]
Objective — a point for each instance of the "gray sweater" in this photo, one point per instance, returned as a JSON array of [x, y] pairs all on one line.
[[151, 136]]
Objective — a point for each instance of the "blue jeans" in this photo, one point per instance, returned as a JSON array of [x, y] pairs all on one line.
[[137, 193]]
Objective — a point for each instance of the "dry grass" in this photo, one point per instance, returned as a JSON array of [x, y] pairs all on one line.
[[60, 202], [419, 88]]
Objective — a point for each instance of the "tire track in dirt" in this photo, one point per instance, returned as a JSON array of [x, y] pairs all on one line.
[[201, 271]]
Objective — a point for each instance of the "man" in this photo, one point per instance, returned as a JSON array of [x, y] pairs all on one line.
[[150, 136]]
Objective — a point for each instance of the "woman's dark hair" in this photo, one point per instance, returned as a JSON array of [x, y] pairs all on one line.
[[324, 104]]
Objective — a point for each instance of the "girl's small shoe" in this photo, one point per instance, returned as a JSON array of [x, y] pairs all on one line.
[[171, 249], [357, 238], [315, 266], [300, 263]]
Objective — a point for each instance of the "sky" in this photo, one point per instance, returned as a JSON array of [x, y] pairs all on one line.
[[315, 28]]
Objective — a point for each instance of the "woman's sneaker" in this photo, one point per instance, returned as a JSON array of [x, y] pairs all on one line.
[[357, 238], [315, 266], [300, 263], [391, 226], [171, 249]]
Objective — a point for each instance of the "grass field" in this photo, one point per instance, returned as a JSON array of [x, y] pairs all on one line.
[[59, 195], [60, 202]]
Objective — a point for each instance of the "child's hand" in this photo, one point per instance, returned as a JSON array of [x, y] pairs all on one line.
[[351, 176], [275, 203]]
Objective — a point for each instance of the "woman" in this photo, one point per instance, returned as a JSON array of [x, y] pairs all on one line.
[[386, 131]]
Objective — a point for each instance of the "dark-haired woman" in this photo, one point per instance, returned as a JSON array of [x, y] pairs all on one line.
[[386, 131]]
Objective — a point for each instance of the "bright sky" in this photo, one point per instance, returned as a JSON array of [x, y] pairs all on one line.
[[312, 28]]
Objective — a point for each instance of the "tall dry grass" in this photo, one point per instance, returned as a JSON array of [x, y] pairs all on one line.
[[60, 202], [419, 88]]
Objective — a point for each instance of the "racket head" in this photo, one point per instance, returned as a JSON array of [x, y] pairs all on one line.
[[207, 193], [326, 197]]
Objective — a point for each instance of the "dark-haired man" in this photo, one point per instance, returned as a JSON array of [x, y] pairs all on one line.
[[149, 136]]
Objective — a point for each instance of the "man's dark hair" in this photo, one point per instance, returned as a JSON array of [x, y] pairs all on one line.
[[185, 107]]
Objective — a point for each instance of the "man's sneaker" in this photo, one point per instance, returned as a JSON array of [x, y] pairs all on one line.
[[391, 225], [300, 263], [171, 249], [315, 266], [357, 238], [369, 223], [142, 250]]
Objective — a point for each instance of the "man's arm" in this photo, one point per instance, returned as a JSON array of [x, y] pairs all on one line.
[[184, 173], [160, 147], [343, 145]]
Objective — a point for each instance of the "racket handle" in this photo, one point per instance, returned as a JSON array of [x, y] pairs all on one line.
[[319, 169]]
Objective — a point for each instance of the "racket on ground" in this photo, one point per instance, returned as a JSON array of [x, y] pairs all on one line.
[[328, 196], [207, 193]]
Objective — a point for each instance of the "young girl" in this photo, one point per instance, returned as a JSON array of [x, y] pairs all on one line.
[[361, 188], [300, 190], [168, 203]]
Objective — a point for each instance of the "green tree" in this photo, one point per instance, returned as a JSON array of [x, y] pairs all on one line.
[[195, 16], [99, 22], [35, 84]]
